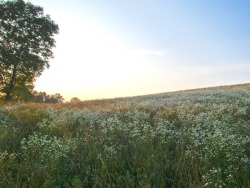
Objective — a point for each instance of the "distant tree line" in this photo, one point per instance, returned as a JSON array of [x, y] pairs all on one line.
[[24, 95], [43, 97]]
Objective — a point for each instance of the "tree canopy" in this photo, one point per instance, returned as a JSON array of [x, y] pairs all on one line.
[[43, 97], [26, 42], [75, 100]]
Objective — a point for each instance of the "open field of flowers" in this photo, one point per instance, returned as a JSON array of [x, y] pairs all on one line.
[[196, 138]]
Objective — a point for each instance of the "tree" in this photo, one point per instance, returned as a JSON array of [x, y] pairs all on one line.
[[56, 98], [75, 100], [43, 97], [26, 42], [40, 97]]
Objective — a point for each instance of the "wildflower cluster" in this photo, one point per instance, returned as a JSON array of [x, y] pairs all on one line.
[[42, 148], [187, 139]]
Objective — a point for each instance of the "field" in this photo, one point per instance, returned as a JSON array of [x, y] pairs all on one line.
[[195, 138]]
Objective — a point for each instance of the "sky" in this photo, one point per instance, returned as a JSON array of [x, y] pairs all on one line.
[[119, 48]]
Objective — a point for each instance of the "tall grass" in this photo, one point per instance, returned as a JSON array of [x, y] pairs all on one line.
[[188, 139]]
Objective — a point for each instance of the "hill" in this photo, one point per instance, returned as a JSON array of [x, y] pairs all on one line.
[[159, 98], [192, 138]]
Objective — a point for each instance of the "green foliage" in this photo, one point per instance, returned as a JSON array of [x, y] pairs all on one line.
[[193, 139], [43, 97], [75, 100], [26, 42]]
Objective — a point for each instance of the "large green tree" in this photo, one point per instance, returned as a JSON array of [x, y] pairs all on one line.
[[26, 42]]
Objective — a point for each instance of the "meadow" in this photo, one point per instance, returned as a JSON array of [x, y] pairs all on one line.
[[194, 138]]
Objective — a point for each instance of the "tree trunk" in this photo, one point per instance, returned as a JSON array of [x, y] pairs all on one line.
[[11, 84]]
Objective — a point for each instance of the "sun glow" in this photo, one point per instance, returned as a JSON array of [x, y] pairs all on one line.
[[116, 49], [89, 60]]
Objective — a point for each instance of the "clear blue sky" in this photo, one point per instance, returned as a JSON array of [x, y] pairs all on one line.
[[116, 48]]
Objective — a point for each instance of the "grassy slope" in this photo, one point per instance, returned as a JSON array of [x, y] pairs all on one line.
[[114, 102], [192, 138]]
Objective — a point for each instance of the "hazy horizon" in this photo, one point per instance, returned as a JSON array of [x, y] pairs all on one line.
[[127, 48]]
